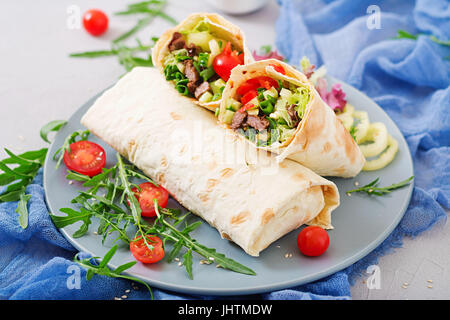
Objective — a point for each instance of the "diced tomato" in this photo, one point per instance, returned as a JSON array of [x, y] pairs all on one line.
[[145, 198], [246, 107], [143, 253], [279, 69], [255, 83], [249, 96], [85, 157]]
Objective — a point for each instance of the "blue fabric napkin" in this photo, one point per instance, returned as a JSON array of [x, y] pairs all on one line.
[[409, 79]]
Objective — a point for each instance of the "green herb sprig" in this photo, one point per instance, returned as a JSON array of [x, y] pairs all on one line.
[[149, 10], [102, 269], [402, 34], [18, 171], [372, 188]]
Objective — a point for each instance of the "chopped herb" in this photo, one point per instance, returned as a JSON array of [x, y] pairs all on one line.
[[373, 189]]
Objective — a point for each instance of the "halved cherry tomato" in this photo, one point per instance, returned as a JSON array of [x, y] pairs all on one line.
[[313, 241], [249, 96], [143, 253], [145, 198], [279, 69], [225, 61], [95, 22], [85, 157]]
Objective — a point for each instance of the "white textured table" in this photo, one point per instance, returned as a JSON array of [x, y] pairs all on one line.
[[39, 83]]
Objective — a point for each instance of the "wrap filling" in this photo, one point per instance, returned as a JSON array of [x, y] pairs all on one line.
[[200, 62]]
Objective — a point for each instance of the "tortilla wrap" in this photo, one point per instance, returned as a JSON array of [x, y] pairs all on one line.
[[219, 26], [210, 173], [320, 142]]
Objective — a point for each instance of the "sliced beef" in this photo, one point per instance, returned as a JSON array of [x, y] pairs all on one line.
[[293, 115], [259, 123], [193, 76], [190, 71], [201, 89], [192, 50], [238, 119], [177, 42]]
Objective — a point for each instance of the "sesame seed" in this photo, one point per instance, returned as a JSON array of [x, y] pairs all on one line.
[[356, 183], [370, 190], [21, 138], [177, 259], [278, 246], [127, 291], [404, 287], [211, 258], [430, 281], [116, 298], [406, 283], [218, 266], [70, 181], [430, 286], [349, 194], [124, 297], [180, 264]]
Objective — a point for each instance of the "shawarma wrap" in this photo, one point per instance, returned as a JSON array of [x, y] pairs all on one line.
[[224, 180], [276, 108], [186, 56]]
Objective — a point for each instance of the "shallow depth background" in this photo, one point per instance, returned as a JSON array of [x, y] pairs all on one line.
[[39, 83]]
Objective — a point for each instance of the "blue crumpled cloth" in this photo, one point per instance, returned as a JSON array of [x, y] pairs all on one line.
[[409, 79]]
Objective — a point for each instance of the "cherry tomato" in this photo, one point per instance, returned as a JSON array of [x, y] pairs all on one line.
[[143, 254], [279, 69], [145, 198], [225, 61], [249, 96], [95, 22], [313, 241], [85, 157]]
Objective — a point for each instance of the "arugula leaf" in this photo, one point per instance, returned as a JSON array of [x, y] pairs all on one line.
[[187, 262], [51, 126], [71, 217], [22, 210], [402, 34], [102, 269]]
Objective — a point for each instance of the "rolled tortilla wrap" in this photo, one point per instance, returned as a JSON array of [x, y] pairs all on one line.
[[319, 141], [219, 27], [210, 173]]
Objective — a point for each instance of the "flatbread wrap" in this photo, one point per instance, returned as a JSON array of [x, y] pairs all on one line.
[[276, 108], [197, 56], [208, 171]]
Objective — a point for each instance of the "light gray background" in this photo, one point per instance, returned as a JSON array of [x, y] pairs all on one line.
[[39, 83]]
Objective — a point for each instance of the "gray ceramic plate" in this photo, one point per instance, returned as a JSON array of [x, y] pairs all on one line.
[[361, 223]]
